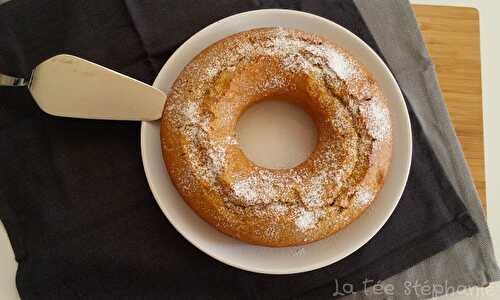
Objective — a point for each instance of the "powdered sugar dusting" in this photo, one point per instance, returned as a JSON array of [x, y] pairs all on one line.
[[257, 189], [307, 219], [340, 122], [278, 208], [191, 112], [315, 191], [341, 66], [337, 62], [217, 155], [363, 197], [245, 189], [211, 72], [378, 124]]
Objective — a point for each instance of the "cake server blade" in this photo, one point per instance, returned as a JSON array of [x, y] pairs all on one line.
[[69, 86]]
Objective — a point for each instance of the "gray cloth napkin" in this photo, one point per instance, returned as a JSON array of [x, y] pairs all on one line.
[[470, 262]]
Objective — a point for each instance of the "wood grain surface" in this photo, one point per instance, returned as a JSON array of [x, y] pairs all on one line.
[[452, 37]]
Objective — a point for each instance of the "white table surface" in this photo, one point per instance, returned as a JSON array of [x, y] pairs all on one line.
[[490, 56]]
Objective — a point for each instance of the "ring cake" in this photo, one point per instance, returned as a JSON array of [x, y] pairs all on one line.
[[276, 207]]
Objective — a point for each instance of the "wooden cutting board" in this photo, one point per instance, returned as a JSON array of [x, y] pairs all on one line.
[[452, 38]]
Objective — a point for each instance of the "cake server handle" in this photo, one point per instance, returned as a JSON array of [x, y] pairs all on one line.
[[6, 80]]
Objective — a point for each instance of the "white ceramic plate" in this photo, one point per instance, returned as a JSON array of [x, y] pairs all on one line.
[[292, 259]]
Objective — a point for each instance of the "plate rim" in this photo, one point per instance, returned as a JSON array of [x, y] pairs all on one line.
[[291, 270]]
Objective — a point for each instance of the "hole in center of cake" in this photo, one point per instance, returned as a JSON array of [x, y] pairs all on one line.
[[276, 134]]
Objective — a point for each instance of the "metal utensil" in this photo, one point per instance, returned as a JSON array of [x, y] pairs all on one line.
[[69, 86]]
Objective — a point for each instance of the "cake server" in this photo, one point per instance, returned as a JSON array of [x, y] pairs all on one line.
[[69, 86]]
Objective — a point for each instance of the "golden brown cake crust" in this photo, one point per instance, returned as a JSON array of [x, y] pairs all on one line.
[[287, 206]]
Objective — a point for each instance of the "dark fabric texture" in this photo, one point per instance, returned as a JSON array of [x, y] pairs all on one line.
[[73, 194]]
